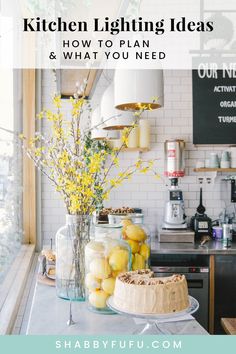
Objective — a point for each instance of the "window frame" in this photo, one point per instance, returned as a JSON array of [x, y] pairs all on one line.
[[11, 290], [29, 173]]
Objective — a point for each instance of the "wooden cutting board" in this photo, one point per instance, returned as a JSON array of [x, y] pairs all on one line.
[[229, 325]]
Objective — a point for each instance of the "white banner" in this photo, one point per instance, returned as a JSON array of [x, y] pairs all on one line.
[[145, 34]]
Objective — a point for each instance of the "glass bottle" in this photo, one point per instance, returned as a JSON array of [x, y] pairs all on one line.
[[71, 240]]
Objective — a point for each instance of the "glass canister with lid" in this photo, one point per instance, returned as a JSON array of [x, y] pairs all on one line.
[[137, 235], [106, 256]]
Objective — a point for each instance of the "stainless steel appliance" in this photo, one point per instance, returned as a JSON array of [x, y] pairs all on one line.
[[233, 190], [228, 195], [197, 277], [174, 158], [228, 191], [174, 218]]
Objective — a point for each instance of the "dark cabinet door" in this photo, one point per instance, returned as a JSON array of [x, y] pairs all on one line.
[[225, 289]]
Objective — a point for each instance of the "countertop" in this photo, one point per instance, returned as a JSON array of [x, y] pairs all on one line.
[[211, 247], [49, 315]]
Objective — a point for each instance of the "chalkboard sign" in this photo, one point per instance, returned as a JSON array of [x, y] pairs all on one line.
[[214, 107]]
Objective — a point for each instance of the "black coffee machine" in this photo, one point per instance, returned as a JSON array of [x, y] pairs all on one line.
[[200, 223]]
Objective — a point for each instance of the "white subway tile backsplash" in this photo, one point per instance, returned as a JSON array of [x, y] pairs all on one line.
[[173, 81], [173, 113], [190, 195], [139, 196], [173, 130], [174, 120], [193, 203], [197, 154]]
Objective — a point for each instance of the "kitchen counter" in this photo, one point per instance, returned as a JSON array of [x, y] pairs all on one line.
[[209, 248], [49, 315]]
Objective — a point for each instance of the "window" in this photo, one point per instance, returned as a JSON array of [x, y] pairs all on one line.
[[10, 168]]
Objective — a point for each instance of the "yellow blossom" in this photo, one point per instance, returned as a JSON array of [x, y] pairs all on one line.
[[116, 161], [125, 136], [155, 99], [144, 170], [57, 101], [73, 164], [138, 163], [106, 196], [150, 163], [38, 151], [21, 136], [40, 115]]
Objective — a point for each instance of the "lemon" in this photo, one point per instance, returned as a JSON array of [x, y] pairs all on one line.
[[108, 285], [119, 259], [124, 235], [92, 248], [100, 268], [145, 251], [111, 245], [92, 283], [135, 233], [134, 245], [98, 299], [138, 262], [115, 273], [114, 249], [95, 246], [126, 222]]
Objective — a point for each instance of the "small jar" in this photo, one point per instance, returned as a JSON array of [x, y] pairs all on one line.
[[105, 258], [137, 235]]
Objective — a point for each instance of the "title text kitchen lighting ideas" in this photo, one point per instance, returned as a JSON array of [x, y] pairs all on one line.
[[115, 27]]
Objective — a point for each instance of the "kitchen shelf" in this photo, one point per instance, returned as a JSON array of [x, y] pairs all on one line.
[[214, 169], [135, 149]]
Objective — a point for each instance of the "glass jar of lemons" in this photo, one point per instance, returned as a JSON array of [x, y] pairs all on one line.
[[105, 258], [137, 235]]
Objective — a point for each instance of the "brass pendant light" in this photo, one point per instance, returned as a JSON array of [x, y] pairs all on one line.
[[138, 89]]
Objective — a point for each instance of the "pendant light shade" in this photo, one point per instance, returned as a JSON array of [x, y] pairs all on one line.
[[136, 88], [112, 118], [97, 131], [112, 134]]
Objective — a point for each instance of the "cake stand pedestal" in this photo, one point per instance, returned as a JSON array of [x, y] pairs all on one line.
[[152, 321]]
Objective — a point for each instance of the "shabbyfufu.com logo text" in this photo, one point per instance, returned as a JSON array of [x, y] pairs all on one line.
[[117, 344]]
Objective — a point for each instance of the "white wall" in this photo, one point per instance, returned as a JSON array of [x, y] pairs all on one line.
[[174, 120]]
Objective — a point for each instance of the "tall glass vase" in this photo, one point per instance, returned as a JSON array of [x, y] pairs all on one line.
[[71, 240]]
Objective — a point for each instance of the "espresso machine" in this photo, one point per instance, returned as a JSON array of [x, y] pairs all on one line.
[[174, 227]]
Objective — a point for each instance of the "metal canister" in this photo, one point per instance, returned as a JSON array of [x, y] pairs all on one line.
[[227, 231], [174, 158]]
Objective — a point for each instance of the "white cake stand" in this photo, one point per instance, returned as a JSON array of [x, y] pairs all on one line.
[[151, 320]]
